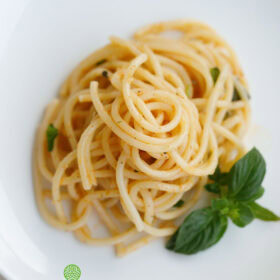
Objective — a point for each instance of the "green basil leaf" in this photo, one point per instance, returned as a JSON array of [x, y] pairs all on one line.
[[215, 72], [206, 238], [221, 204], [179, 204], [263, 213], [219, 176], [196, 243], [254, 195], [219, 226], [51, 134], [250, 194], [200, 230], [246, 176], [214, 188], [194, 223], [242, 215], [170, 245]]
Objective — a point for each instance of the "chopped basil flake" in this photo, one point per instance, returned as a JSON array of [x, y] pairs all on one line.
[[51, 134], [236, 92], [179, 204], [188, 91], [100, 62], [215, 72], [105, 74]]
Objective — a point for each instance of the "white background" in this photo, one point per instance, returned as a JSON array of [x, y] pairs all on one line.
[[10, 12]]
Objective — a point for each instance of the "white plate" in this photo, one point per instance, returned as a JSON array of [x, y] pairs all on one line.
[[51, 38]]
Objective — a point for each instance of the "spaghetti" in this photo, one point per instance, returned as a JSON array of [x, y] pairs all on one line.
[[141, 124]]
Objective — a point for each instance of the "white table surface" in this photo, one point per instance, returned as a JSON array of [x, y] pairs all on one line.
[[10, 13]]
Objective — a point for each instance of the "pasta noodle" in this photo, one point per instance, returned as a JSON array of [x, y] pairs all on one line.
[[141, 124]]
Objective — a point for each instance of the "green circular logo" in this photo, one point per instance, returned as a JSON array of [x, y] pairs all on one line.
[[72, 272]]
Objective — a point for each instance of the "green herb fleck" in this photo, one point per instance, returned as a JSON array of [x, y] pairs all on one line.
[[236, 94], [214, 188], [179, 204], [51, 134], [215, 72], [188, 90], [100, 62], [228, 115], [105, 74]]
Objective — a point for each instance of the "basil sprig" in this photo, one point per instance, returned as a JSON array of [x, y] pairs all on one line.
[[237, 191]]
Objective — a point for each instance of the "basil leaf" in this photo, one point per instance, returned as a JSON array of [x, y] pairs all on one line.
[[242, 215], [206, 238], [196, 222], [246, 176], [200, 230], [180, 203], [219, 179], [170, 245], [221, 204], [250, 194], [51, 134], [219, 226], [258, 193], [214, 188], [215, 72], [219, 176], [263, 213]]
